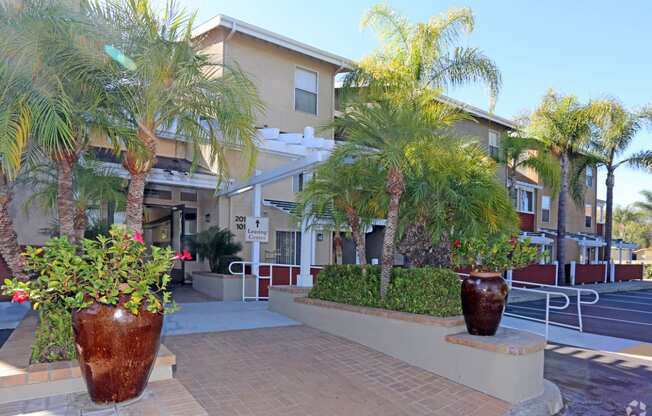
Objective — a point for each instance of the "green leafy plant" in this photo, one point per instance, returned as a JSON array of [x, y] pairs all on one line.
[[114, 269], [428, 290], [493, 254], [648, 272], [217, 246], [54, 338]]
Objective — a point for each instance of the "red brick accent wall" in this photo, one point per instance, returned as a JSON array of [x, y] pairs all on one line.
[[628, 272], [281, 276], [536, 273], [589, 273], [527, 221]]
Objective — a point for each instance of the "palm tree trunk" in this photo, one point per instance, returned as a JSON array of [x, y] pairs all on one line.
[[395, 188], [9, 248], [81, 221], [358, 235], [337, 240], [561, 218], [608, 223], [135, 198], [66, 198]]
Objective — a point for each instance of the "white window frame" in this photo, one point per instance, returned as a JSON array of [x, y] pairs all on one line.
[[294, 88], [520, 192], [297, 244], [549, 199], [495, 145], [589, 177], [589, 208], [298, 182]]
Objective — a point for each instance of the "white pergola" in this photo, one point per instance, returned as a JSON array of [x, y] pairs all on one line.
[[255, 183]]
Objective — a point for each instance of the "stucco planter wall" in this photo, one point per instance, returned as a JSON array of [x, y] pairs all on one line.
[[508, 366], [223, 287]]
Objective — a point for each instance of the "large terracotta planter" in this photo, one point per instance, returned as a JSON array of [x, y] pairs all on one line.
[[484, 296], [116, 350]]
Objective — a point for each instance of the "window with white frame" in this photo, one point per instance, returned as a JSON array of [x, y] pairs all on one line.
[[297, 183], [525, 201], [288, 247], [588, 215], [589, 177], [305, 91], [545, 208], [493, 144], [599, 213]]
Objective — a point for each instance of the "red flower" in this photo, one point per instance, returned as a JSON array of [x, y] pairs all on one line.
[[183, 256], [138, 237], [20, 296], [457, 244], [513, 240]]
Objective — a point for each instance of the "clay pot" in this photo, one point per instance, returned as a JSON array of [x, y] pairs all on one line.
[[116, 350], [484, 296]]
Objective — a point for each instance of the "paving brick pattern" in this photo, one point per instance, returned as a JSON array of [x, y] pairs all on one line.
[[161, 398], [300, 371]]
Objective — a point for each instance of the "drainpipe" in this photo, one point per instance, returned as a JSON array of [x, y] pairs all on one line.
[[232, 32]]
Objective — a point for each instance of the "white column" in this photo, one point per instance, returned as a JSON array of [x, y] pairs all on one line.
[[572, 272], [595, 255], [620, 255], [256, 209], [542, 250], [307, 244], [583, 256]]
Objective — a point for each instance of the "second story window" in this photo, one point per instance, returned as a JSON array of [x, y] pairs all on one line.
[[525, 202], [589, 177], [588, 215], [305, 91], [493, 144], [297, 183], [545, 208]]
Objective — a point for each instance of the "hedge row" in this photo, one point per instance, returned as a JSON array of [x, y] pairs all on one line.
[[427, 291]]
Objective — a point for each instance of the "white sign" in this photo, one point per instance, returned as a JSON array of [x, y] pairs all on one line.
[[257, 229]]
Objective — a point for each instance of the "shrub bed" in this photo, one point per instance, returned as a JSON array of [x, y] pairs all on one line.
[[427, 291]]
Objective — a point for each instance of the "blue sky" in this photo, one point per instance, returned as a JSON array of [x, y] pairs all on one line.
[[588, 48]]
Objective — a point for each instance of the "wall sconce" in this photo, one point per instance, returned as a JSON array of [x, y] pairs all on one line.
[[320, 236], [207, 217]]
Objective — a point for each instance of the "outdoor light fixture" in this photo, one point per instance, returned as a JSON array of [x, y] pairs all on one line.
[[320, 236]]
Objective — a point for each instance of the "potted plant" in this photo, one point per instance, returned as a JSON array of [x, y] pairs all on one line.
[[116, 290], [218, 247], [484, 291]]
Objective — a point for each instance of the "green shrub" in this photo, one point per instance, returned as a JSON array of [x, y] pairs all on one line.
[[54, 336], [648, 272], [429, 291], [347, 284]]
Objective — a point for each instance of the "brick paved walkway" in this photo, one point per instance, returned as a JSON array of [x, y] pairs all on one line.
[[300, 371]]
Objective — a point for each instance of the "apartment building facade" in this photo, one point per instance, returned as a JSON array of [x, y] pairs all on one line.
[[297, 84]]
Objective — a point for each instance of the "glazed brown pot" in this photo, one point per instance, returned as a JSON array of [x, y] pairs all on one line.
[[484, 296], [116, 350]]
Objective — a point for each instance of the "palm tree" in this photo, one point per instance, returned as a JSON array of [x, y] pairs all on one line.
[[645, 206], [564, 126], [451, 193], [53, 46], [421, 58], [93, 186], [383, 133], [14, 132], [622, 217], [342, 192], [166, 84], [615, 131]]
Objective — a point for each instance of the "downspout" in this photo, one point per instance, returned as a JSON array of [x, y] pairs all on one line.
[[232, 32]]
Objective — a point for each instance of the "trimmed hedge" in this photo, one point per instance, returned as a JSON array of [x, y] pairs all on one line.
[[426, 291], [648, 272]]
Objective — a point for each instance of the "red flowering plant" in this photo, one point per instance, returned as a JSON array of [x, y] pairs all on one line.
[[493, 254], [111, 270]]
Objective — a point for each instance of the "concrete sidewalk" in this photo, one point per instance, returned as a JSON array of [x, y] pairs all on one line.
[[12, 313], [222, 316]]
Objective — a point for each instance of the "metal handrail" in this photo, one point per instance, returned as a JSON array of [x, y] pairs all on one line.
[[269, 277]]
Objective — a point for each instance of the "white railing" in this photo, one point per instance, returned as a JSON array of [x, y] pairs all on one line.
[[270, 276], [556, 292], [548, 294]]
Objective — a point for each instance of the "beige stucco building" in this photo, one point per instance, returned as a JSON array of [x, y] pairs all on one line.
[[297, 84]]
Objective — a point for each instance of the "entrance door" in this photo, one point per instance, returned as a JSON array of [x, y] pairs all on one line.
[[163, 226]]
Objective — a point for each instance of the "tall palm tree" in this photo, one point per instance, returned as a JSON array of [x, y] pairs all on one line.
[[624, 216], [164, 83], [343, 192], [14, 132], [402, 79], [615, 131], [565, 126], [93, 185], [383, 133], [645, 206], [53, 44]]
